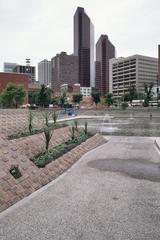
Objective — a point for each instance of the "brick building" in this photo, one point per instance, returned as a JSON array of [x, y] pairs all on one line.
[[64, 70], [16, 78]]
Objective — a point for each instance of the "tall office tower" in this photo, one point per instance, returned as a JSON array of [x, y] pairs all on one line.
[[105, 50], [44, 72], [158, 83], [84, 47], [9, 67], [64, 70]]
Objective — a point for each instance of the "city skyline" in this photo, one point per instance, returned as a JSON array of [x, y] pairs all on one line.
[[43, 32]]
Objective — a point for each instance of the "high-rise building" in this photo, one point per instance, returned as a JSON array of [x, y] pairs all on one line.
[[64, 70], [44, 72], [27, 69], [84, 47], [105, 50], [132, 71], [9, 67]]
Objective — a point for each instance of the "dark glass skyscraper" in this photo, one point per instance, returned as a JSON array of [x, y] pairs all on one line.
[[105, 50], [84, 47]]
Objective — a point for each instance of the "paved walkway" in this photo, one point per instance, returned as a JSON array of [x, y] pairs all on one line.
[[112, 193]]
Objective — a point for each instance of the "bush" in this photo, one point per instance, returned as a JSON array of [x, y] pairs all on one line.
[[14, 170]]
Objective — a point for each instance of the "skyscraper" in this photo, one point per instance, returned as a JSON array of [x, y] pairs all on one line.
[[44, 72], [84, 47], [104, 51]]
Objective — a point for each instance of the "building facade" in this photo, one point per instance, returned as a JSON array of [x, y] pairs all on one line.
[[86, 91], [105, 50], [9, 67], [27, 69], [84, 47], [132, 71], [64, 70], [15, 78], [44, 72]]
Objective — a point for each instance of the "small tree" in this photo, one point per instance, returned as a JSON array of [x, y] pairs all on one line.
[[96, 98], [86, 128], [63, 99], [46, 118], [54, 116], [12, 96], [76, 124], [33, 97], [148, 93], [44, 96], [30, 122], [48, 135], [72, 130], [77, 98], [109, 99]]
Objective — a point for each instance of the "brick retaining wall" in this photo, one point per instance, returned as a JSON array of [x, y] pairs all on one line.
[[12, 190]]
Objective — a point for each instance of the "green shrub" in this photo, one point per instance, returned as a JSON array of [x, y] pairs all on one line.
[[14, 170]]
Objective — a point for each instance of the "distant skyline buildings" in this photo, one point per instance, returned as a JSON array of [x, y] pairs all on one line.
[[84, 47], [90, 73], [9, 67], [64, 70], [105, 50], [27, 69], [44, 72]]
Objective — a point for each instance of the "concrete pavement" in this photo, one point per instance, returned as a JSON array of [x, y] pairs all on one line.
[[109, 194]]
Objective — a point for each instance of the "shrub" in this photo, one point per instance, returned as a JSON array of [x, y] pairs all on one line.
[[14, 170]]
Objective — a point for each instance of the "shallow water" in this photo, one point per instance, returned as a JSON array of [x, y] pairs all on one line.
[[123, 126]]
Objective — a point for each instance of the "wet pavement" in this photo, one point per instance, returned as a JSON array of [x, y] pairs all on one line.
[[112, 193]]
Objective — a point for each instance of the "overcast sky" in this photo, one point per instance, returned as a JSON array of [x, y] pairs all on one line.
[[39, 29]]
